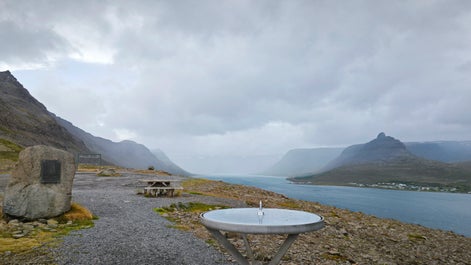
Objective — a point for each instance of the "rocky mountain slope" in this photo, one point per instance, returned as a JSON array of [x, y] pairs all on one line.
[[24, 121], [313, 160], [382, 149], [387, 160], [445, 151], [125, 153]]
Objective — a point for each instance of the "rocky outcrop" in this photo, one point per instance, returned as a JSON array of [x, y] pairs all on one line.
[[382, 149], [41, 185]]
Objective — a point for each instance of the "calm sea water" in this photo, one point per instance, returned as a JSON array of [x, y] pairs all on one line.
[[446, 211]]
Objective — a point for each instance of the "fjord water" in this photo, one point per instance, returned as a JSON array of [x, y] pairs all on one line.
[[446, 211]]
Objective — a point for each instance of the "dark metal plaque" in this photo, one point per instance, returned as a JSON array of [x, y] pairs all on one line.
[[50, 171]]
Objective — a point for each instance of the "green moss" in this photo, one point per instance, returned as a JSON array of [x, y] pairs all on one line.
[[416, 237], [11, 145], [12, 152], [195, 193], [192, 207]]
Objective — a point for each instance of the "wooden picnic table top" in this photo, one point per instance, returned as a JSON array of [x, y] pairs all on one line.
[[159, 180]]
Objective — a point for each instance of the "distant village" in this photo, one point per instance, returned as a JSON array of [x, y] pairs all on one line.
[[410, 187]]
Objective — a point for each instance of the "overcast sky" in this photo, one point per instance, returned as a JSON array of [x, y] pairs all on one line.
[[246, 77]]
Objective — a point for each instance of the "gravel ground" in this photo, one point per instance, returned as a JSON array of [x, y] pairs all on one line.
[[128, 231]]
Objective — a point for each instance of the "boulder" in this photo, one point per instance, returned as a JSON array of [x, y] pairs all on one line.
[[41, 184]]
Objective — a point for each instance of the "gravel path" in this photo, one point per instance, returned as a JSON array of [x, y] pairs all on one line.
[[128, 230]]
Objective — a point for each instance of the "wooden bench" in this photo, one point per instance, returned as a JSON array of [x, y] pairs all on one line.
[[158, 191], [158, 187]]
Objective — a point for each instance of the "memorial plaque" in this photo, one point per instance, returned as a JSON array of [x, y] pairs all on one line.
[[50, 171]]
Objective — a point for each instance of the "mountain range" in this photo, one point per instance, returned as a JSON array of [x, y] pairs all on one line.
[[24, 121], [306, 161], [387, 161]]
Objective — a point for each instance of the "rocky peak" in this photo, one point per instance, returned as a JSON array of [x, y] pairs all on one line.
[[7, 76], [11, 89], [382, 148], [384, 143]]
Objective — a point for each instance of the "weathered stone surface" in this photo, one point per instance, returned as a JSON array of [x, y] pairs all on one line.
[[27, 196]]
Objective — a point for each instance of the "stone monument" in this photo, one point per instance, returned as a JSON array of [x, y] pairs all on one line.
[[41, 184]]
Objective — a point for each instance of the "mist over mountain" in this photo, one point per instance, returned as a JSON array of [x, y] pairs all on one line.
[[24, 121], [303, 161], [226, 164], [382, 149], [298, 162], [445, 151], [125, 153], [387, 160]]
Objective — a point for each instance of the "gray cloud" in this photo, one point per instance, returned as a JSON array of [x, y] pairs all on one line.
[[248, 77]]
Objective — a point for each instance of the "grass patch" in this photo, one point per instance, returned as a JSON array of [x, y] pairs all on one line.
[[195, 193], [77, 218], [177, 213], [189, 183], [192, 207], [9, 150], [291, 204], [77, 212], [9, 153], [7, 243], [416, 237]]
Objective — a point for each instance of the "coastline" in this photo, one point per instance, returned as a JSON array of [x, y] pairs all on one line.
[[128, 230], [348, 237], [387, 186]]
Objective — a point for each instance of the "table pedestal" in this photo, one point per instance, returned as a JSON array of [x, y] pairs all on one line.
[[259, 221], [240, 258]]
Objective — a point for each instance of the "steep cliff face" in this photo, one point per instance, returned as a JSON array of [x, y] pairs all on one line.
[[26, 122]]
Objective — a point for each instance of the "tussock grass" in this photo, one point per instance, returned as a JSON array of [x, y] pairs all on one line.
[[78, 213]]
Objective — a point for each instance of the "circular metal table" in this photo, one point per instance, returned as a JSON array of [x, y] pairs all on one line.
[[260, 221]]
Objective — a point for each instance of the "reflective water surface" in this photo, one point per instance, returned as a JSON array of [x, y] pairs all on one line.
[[447, 211]]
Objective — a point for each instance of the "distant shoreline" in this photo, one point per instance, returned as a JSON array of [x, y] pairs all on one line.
[[389, 186]]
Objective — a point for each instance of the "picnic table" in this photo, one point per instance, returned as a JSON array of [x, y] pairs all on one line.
[[158, 187], [259, 221]]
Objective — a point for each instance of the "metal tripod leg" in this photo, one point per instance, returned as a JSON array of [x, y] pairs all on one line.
[[283, 249], [234, 252]]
